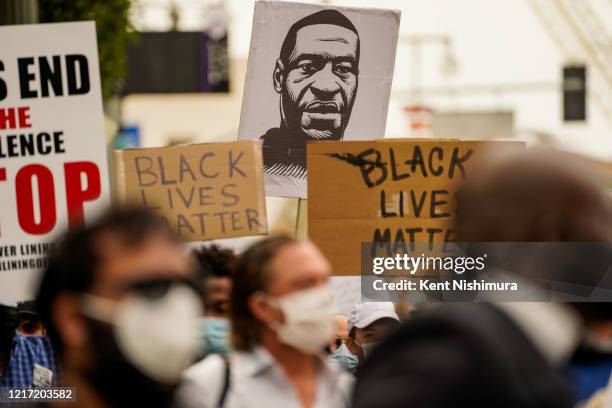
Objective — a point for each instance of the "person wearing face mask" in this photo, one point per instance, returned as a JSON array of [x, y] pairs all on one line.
[[31, 362], [338, 351], [282, 315], [368, 323], [500, 353], [122, 311], [216, 278]]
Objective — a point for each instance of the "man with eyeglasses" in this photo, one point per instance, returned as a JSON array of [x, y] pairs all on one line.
[[122, 310]]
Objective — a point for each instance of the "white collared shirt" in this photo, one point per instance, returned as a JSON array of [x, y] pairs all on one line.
[[257, 380]]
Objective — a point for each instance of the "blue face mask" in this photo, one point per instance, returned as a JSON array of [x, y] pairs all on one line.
[[215, 336], [344, 358]]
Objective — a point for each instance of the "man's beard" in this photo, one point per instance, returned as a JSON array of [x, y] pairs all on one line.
[[118, 382]]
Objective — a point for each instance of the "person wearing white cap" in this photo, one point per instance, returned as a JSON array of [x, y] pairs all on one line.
[[368, 323]]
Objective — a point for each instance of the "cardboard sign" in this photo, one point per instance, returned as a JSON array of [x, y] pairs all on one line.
[[315, 73], [53, 169], [397, 191], [204, 191]]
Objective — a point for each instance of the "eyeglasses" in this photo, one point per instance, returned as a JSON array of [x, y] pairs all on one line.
[[156, 288], [338, 342], [220, 307]]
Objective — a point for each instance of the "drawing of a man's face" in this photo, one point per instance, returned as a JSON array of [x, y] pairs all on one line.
[[317, 80]]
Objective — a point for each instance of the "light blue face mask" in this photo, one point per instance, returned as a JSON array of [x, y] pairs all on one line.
[[344, 358], [215, 336]]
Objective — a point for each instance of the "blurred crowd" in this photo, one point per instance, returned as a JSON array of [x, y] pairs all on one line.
[[130, 319]]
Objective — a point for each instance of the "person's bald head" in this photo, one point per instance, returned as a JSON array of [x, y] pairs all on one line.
[[342, 331], [534, 196]]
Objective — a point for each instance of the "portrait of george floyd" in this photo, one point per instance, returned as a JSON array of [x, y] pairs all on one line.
[[315, 73]]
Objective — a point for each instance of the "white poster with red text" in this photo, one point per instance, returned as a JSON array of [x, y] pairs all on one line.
[[53, 162]]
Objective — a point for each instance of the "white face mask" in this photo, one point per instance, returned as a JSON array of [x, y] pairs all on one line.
[[159, 337], [309, 319]]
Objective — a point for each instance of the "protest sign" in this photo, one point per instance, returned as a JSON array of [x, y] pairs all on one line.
[[204, 191], [315, 73], [385, 191], [53, 169]]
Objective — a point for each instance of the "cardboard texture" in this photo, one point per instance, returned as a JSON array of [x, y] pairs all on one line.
[[53, 158], [315, 72], [385, 190], [205, 191]]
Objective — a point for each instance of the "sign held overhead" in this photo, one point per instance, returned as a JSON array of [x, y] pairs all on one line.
[[315, 73], [388, 191], [53, 169], [204, 191]]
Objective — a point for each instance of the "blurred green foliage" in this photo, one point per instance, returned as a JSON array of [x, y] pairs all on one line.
[[113, 29]]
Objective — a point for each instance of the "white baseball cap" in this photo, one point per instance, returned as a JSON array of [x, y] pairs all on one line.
[[365, 313]]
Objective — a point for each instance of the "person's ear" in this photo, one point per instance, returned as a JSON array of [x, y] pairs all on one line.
[[262, 310], [279, 76], [69, 322]]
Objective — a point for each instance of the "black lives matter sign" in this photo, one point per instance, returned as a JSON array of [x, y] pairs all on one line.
[[203, 191], [392, 194]]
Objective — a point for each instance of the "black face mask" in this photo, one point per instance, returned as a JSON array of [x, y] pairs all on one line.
[[117, 381]]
